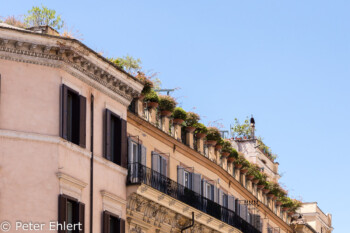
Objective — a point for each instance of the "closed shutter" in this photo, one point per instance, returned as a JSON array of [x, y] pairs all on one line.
[[62, 211], [64, 112], [106, 217], [155, 159], [124, 144], [82, 217], [143, 155], [180, 175], [196, 183], [82, 121], [107, 143], [122, 226], [204, 193], [238, 211], [231, 202]]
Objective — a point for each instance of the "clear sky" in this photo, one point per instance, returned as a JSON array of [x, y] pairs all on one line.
[[285, 62]]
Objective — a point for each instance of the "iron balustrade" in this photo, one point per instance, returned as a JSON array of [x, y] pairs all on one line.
[[140, 174]]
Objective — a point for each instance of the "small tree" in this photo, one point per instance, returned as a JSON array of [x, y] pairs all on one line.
[[128, 63], [241, 130], [43, 16]]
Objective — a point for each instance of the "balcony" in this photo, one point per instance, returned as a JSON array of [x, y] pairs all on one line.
[[139, 174]]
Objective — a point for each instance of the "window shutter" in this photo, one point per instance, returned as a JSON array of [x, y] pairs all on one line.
[[220, 199], [204, 193], [231, 202], [124, 144], [64, 111], [164, 166], [215, 194], [82, 121], [155, 162], [180, 175], [130, 152], [82, 216], [143, 155], [122, 225], [196, 183], [106, 217], [107, 143], [62, 211]]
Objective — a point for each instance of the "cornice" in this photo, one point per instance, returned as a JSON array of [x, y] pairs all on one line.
[[199, 158], [63, 56]]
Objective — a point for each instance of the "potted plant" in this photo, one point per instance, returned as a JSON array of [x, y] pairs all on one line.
[[245, 166], [179, 116], [233, 156], [239, 162], [226, 149], [213, 135], [219, 144], [252, 173], [147, 84], [152, 99], [191, 121], [167, 105], [287, 203], [201, 130], [262, 180]]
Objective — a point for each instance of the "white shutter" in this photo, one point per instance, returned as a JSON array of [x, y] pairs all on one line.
[[143, 155], [215, 190], [163, 166], [231, 202], [220, 198], [130, 152], [155, 163], [196, 183], [180, 175]]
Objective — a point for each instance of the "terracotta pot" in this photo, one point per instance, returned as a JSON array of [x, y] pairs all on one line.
[[211, 142], [278, 203], [255, 181], [177, 121], [251, 177], [225, 154], [290, 213], [152, 104], [244, 170], [190, 129], [270, 195], [245, 137], [200, 135], [260, 186], [165, 113], [266, 191], [231, 159], [237, 138], [274, 198], [218, 147], [285, 208], [238, 166]]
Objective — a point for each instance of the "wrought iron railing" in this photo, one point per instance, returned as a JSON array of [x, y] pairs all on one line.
[[140, 174]]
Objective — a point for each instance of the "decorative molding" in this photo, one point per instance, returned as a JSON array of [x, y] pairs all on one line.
[[71, 180], [70, 185], [113, 203], [109, 164]]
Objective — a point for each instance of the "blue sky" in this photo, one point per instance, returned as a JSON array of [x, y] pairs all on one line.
[[285, 62]]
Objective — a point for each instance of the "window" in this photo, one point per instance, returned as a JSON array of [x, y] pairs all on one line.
[[224, 200], [70, 212], [187, 179], [115, 141], [112, 223], [159, 164], [73, 116], [208, 191], [137, 152]]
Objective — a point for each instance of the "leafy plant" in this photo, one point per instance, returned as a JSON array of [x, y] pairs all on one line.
[[265, 149], [242, 161], [200, 128], [152, 97], [179, 113], [128, 63], [43, 16], [167, 103], [213, 134], [148, 84], [220, 142], [233, 153], [226, 147], [241, 130], [192, 119], [254, 170], [14, 21]]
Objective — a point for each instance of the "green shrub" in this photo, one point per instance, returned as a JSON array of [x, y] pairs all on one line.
[[213, 134], [167, 103], [220, 142], [152, 97], [179, 113], [200, 128], [233, 153], [192, 119], [226, 147]]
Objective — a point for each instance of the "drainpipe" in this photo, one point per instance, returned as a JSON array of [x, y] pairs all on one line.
[[183, 229], [92, 160]]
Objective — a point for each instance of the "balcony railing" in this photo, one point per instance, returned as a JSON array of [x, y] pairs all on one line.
[[139, 174]]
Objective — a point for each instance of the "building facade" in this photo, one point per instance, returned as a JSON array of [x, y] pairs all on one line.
[[78, 146]]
